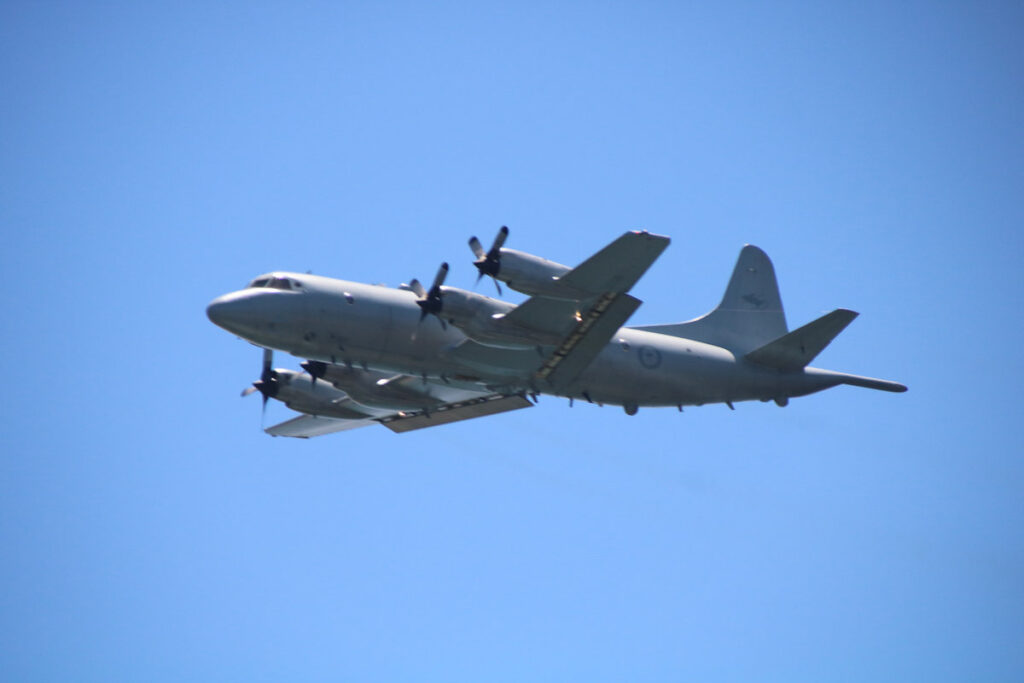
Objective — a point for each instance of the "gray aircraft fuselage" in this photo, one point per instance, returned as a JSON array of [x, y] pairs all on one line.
[[380, 328]]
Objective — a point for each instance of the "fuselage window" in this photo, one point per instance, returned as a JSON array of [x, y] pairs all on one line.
[[262, 282]]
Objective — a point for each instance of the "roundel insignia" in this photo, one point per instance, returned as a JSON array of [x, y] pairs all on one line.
[[650, 357]]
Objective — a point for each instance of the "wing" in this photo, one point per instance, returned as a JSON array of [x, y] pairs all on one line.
[[618, 266], [306, 426], [577, 330], [456, 412]]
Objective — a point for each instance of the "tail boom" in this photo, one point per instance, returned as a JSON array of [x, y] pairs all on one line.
[[836, 378]]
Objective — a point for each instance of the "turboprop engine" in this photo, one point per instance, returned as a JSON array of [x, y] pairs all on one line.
[[479, 317], [301, 392], [522, 272]]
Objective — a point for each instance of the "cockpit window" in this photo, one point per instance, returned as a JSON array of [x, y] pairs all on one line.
[[279, 283], [273, 283]]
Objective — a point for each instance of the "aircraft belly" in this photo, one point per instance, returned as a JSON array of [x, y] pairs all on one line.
[[670, 379]]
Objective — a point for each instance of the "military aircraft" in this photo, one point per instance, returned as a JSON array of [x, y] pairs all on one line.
[[412, 357]]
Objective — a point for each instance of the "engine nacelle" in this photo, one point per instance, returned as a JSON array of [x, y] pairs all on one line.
[[532, 275], [298, 391], [474, 315], [482, 319], [523, 272]]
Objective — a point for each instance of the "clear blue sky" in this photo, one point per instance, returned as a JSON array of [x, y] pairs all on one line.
[[156, 155]]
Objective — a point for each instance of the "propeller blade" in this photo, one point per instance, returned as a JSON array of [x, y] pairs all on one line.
[[267, 384], [497, 285], [477, 248], [430, 302], [417, 288], [442, 274], [268, 362], [490, 263], [499, 239]]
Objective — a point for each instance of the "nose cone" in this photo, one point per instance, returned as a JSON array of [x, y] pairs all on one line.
[[219, 311], [238, 312]]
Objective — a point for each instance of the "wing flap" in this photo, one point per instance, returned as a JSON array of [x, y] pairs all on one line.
[[609, 313], [455, 412]]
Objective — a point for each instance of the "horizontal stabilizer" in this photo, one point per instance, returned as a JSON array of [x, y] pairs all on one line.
[[796, 349]]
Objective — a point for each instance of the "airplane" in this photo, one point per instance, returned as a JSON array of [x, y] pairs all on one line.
[[413, 357]]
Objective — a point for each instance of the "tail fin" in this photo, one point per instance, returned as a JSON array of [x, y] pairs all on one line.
[[795, 350], [750, 314]]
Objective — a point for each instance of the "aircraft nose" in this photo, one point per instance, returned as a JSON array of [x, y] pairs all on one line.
[[235, 312], [219, 310], [254, 315]]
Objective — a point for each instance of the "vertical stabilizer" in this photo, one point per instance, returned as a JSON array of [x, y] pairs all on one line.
[[749, 315]]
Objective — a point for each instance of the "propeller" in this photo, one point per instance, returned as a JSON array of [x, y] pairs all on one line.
[[489, 262], [430, 301], [268, 381]]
